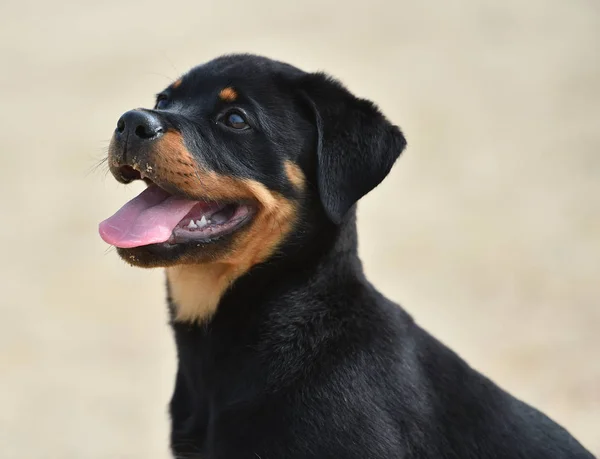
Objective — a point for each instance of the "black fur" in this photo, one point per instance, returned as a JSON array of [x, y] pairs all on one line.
[[356, 148], [304, 358]]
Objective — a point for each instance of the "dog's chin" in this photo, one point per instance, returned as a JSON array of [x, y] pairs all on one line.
[[166, 255]]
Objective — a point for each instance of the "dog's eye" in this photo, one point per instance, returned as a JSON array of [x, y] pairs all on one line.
[[235, 120], [161, 102]]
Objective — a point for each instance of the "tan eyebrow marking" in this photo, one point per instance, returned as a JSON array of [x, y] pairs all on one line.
[[228, 94], [176, 84]]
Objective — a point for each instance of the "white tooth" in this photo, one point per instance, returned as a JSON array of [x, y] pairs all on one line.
[[192, 225], [202, 222]]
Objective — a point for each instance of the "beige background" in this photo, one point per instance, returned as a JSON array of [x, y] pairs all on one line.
[[488, 229]]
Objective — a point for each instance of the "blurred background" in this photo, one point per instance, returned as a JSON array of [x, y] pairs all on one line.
[[487, 230]]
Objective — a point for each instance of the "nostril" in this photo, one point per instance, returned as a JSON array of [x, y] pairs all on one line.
[[143, 131], [140, 125], [120, 125]]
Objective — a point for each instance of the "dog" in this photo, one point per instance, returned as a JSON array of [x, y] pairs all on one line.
[[285, 350]]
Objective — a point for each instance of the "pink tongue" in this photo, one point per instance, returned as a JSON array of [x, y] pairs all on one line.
[[149, 218]]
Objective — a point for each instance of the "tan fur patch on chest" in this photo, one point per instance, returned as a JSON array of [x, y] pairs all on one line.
[[197, 289]]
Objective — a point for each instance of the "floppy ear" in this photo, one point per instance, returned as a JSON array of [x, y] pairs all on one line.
[[357, 145]]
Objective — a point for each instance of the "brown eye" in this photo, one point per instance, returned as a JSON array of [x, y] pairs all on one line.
[[235, 120]]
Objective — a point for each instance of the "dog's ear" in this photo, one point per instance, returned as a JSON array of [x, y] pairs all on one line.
[[357, 146]]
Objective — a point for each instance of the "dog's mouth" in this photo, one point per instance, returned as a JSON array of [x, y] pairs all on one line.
[[156, 216]]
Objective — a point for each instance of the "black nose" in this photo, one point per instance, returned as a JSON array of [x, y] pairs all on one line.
[[141, 124]]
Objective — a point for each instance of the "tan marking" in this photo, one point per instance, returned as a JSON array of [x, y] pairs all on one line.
[[228, 94], [294, 174], [176, 84], [196, 289]]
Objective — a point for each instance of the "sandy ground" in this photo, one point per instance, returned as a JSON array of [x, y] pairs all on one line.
[[488, 229]]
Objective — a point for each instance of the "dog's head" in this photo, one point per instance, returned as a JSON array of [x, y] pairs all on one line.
[[233, 153]]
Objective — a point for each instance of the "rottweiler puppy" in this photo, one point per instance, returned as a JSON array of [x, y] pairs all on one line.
[[285, 350]]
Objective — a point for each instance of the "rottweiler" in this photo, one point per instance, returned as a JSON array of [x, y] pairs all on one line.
[[285, 350]]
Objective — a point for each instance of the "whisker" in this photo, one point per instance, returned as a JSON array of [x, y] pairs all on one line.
[[102, 162]]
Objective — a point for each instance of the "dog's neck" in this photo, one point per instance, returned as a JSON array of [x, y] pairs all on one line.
[[197, 291]]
